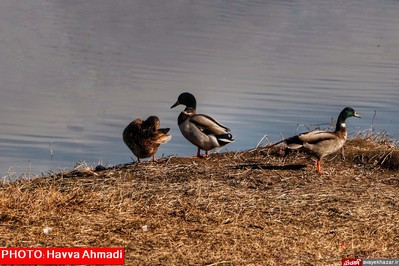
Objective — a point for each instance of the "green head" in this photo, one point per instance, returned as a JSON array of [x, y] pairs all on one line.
[[346, 113], [186, 99]]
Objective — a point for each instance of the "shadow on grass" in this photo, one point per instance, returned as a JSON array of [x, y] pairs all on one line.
[[270, 167]]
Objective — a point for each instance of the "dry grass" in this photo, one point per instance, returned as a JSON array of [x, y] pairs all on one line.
[[245, 208]]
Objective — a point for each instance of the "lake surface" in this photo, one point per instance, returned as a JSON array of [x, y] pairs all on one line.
[[75, 73]]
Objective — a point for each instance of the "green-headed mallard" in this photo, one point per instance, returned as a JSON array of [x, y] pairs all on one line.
[[322, 143], [201, 130], [144, 137]]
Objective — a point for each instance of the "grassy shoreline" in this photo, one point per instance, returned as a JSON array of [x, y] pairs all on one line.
[[256, 207]]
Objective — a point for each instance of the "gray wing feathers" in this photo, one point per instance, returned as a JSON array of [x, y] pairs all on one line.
[[208, 124], [316, 136]]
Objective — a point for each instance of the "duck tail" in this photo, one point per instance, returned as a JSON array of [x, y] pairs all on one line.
[[224, 139], [292, 143], [162, 138], [164, 130], [275, 144]]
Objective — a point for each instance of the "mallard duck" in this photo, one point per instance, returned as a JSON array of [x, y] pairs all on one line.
[[322, 143], [144, 137], [201, 130]]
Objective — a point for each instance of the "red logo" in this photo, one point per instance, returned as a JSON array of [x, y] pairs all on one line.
[[352, 261]]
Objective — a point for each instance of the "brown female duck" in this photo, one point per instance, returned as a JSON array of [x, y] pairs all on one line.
[[144, 137]]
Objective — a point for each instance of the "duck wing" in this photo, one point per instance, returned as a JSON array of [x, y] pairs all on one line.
[[312, 137], [163, 130], [159, 137], [316, 136], [208, 125]]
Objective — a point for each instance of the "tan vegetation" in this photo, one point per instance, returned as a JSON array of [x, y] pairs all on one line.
[[256, 207]]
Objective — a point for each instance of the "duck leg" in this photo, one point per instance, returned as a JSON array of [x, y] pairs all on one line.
[[153, 158], [199, 153], [319, 167]]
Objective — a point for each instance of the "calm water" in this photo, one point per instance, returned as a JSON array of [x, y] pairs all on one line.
[[75, 73]]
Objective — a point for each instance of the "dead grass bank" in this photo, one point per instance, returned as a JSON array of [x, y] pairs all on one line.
[[238, 208]]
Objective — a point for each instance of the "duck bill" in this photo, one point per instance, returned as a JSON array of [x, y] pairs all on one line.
[[357, 115], [176, 104]]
